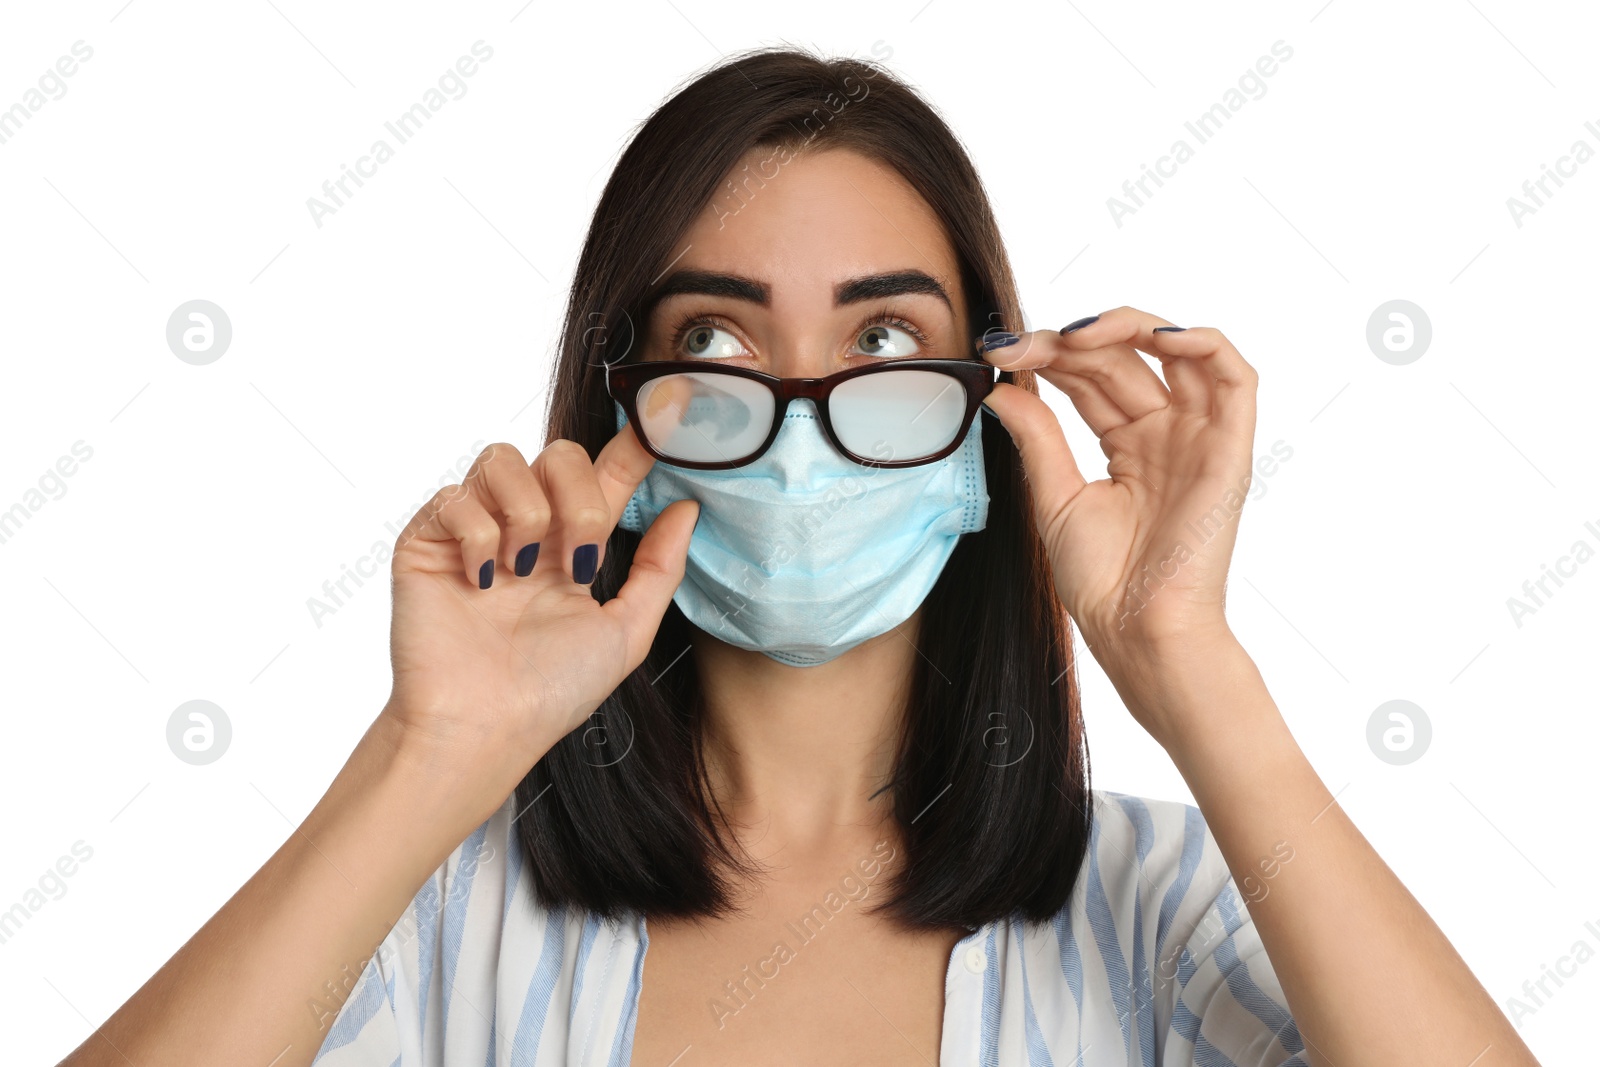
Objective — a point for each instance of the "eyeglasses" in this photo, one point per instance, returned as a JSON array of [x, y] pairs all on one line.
[[709, 416]]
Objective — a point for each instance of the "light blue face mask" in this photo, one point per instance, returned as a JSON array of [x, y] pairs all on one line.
[[804, 554]]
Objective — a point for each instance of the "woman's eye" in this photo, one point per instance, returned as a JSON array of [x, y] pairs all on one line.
[[702, 342], [882, 340]]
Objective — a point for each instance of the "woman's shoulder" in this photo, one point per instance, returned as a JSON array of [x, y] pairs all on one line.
[[1149, 858], [1156, 946], [1153, 835], [481, 894], [1156, 900], [474, 946], [1148, 824]]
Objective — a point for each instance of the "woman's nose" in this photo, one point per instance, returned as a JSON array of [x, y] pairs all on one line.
[[805, 355]]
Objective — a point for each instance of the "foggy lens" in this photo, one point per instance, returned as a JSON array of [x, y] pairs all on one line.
[[704, 418], [898, 414]]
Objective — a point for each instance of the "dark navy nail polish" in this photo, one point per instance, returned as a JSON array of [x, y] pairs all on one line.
[[526, 558], [998, 339], [585, 560], [486, 574], [1170, 329], [1079, 324]]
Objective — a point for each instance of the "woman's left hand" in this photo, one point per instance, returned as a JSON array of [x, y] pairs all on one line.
[[1164, 524], [1140, 558]]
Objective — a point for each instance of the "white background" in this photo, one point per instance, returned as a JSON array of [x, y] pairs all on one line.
[[369, 354]]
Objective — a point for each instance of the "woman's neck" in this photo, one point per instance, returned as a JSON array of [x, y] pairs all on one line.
[[794, 753]]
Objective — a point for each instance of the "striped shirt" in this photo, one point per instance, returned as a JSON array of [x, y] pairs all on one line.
[[1154, 961]]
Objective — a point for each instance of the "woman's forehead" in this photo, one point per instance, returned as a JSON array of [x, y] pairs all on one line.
[[815, 221]]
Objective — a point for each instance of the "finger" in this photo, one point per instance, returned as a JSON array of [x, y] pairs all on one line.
[[1232, 382], [1099, 411], [580, 514], [1189, 385], [669, 396], [657, 571], [457, 513], [1127, 381], [619, 468], [505, 485], [1053, 474], [1192, 386]]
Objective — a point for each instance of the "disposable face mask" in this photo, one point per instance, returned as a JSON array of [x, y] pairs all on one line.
[[804, 554]]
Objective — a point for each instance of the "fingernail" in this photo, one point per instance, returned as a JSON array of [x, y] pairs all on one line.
[[1078, 324], [585, 560], [486, 574], [998, 339], [526, 559], [1170, 329]]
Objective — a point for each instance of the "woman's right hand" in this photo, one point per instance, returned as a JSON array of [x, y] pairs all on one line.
[[487, 680]]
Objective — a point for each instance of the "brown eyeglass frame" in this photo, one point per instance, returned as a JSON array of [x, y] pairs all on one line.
[[976, 376]]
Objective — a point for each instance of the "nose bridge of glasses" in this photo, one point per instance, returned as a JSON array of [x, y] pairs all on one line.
[[788, 408], [807, 408], [792, 391]]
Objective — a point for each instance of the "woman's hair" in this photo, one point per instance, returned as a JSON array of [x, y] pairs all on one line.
[[991, 780]]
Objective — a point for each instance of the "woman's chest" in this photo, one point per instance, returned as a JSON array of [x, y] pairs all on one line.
[[817, 988]]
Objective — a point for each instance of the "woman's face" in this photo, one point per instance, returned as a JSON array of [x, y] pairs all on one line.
[[834, 262]]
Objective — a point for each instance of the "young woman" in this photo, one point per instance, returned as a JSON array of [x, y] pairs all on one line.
[[740, 723]]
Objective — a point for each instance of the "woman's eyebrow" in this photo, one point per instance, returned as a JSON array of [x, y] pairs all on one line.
[[850, 291], [892, 283], [711, 283]]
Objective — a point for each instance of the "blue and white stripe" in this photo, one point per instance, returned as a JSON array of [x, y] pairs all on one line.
[[1154, 962]]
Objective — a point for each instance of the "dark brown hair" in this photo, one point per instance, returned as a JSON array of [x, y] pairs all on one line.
[[991, 782]]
